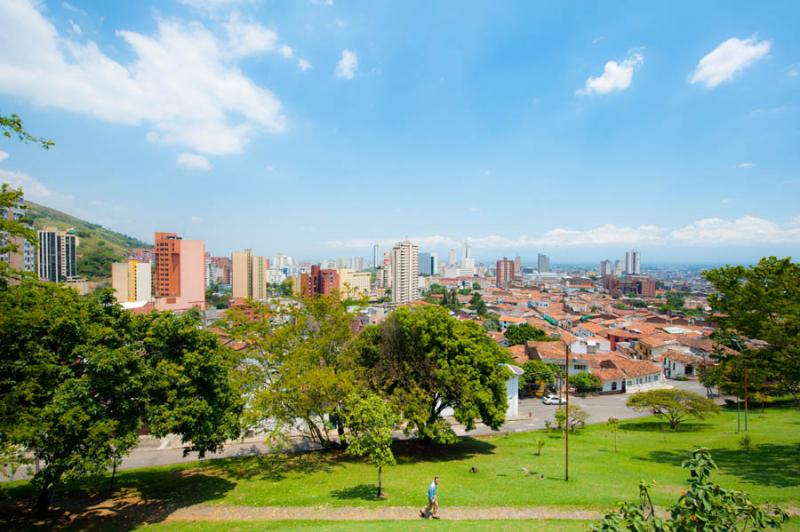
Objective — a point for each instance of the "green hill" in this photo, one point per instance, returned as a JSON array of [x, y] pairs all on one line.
[[98, 246]]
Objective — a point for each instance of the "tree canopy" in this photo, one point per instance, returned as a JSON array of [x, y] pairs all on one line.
[[761, 302], [424, 361], [519, 334], [370, 421], [81, 377], [674, 405]]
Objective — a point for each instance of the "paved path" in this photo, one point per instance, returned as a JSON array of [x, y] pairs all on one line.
[[210, 512]]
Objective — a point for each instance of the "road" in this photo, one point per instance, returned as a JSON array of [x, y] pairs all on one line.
[[532, 416]]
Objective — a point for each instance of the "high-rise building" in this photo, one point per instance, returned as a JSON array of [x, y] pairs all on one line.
[[518, 267], [405, 272], [248, 275], [385, 273], [466, 254], [353, 283], [618, 270], [375, 251], [319, 281], [180, 282], [605, 268], [22, 257], [505, 273], [57, 255], [543, 262], [633, 262], [132, 280], [451, 258], [426, 264], [434, 264], [218, 270]]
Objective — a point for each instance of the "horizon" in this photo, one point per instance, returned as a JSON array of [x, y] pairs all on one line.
[[316, 129]]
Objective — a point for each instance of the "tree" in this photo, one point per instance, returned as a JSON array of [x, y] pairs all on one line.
[[674, 405], [12, 126], [296, 366], [705, 507], [761, 302], [476, 285], [424, 361], [81, 377], [585, 382], [370, 421], [613, 426], [478, 304], [520, 334], [538, 374], [491, 322], [577, 418]]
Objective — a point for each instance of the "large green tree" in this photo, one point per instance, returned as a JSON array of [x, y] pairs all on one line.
[[674, 405], [370, 421], [80, 377], [519, 334], [761, 302], [424, 361], [296, 365]]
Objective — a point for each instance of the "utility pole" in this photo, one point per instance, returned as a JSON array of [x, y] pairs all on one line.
[[745, 398], [566, 422]]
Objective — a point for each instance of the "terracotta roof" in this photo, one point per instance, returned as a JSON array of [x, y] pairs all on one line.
[[518, 353], [680, 356], [513, 319], [547, 349]]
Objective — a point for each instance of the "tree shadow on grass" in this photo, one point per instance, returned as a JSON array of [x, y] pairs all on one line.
[[364, 492], [276, 466], [140, 497], [663, 426], [412, 451], [766, 464]]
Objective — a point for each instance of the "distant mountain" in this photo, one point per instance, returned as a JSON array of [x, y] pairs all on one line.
[[98, 246]]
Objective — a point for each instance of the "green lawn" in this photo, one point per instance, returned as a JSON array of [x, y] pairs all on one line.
[[599, 477]]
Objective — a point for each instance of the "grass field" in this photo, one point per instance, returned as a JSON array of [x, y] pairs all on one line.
[[548, 525], [599, 477]]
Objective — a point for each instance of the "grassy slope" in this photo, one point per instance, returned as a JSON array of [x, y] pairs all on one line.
[[599, 478], [98, 246], [549, 525]]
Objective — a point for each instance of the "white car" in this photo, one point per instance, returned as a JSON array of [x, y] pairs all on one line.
[[554, 400]]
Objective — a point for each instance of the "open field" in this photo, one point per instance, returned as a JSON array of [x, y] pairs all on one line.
[[599, 477]]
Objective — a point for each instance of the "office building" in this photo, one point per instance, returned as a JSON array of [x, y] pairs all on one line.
[[518, 267], [633, 264], [319, 282], [451, 258], [385, 271], [375, 251], [180, 280], [630, 284], [354, 283], [605, 268], [132, 281], [57, 259], [618, 270], [506, 270], [21, 255], [467, 254], [405, 272], [427, 264], [543, 262], [248, 275]]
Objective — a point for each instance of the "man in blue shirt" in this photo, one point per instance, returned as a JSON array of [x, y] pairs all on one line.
[[432, 510]]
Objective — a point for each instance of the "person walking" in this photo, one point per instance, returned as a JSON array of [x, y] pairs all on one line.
[[432, 510]]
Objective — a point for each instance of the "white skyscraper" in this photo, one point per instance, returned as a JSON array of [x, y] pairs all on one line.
[[451, 259], [467, 253], [633, 262], [405, 272]]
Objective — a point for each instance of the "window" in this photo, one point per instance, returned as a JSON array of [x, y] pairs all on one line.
[[614, 385]]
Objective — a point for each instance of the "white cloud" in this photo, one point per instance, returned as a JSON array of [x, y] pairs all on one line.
[[347, 66], [304, 64], [746, 165], [245, 38], [182, 82], [286, 51], [75, 28], [747, 230], [193, 161], [615, 77], [30, 186], [724, 61], [793, 71], [3, 155], [196, 220], [474, 209]]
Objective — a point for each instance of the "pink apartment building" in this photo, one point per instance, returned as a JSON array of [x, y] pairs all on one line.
[[180, 274]]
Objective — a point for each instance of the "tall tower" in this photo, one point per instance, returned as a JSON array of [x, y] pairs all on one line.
[[405, 272], [57, 255], [505, 273], [249, 279], [543, 263], [180, 282], [375, 256]]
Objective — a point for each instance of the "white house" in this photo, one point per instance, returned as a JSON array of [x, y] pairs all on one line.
[[619, 374], [678, 364]]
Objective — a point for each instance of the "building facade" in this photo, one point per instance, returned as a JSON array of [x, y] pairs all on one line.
[[506, 270], [132, 281], [249, 275], [405, 272], [23, 257], [319, 282], [180, 270], [543, 263], [57, 256]]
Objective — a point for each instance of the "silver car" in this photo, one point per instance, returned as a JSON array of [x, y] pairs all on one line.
[[554, 400]]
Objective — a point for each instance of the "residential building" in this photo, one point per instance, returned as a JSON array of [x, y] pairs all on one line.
[[518, 267], [23, 257], [544, 263], [180, 270], [618, 268], [405, 272], [142, 255], [426, 264], [353, 283], [248, 275], [605, 268], [219, 270], [639, 285], [57, 260], [319, 281], [132, 281], [451, 258], [506, 270]]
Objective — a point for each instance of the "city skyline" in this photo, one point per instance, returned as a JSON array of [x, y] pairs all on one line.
[[592, 137]]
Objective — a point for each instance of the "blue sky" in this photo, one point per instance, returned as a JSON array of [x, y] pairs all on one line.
[[316, 128]]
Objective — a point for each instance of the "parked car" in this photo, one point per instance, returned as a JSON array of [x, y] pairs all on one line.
[[554, 400]]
